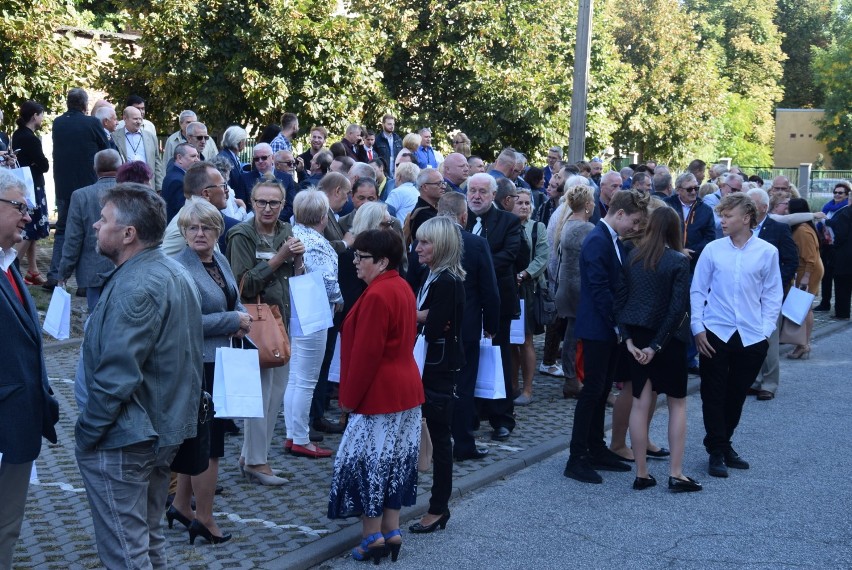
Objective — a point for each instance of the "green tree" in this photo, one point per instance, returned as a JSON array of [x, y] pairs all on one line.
[[833, 75], [805, 24], [672, 101], [748, 43], [246, 63], [37, 61]]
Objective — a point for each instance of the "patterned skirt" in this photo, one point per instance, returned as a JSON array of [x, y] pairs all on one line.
[[39, 227], [376, 465]]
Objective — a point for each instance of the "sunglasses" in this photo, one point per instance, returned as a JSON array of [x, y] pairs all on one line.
[[261, 158]]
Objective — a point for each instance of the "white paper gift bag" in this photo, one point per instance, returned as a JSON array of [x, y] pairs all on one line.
[[309, 308], [236, 384], [516, 332], [25, 175], [489, 380], [334, 368], [796, 305], [420, 352], [57, 320]]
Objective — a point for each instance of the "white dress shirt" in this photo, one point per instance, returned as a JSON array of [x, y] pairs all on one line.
[[741, 287]]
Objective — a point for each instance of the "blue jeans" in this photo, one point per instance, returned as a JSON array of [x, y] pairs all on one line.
[[127, 488]]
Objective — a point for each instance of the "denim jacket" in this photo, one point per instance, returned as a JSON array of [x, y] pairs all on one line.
[[142, 357]]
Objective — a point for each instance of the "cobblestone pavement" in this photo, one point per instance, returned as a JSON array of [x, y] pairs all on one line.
[[273, 527]]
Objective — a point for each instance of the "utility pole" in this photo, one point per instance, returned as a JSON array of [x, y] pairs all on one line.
[[577, 138]]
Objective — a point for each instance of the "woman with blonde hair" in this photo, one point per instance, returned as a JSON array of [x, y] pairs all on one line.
[[461, 144], [411, 142], [440, 307]]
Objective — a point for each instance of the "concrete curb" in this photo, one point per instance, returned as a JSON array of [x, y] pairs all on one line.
[[343, 540]]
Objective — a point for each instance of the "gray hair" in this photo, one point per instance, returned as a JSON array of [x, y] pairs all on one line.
[[368, 217], [233, 136], [452, 205], [138, 206], [223, 165], [191, 128], [361, 170], [107, 160], [263, 147], [492, 183], [730, 175], [185, 114], [520, 158], [625, 172], [309, 207], [77, 99], [104, 112], [759, 196], [424, 175], [557, 150], [663, 180], [406, 172], [577, 180], [10, 182], [181, 149], [507, 157], [681, 179], [205, 212]]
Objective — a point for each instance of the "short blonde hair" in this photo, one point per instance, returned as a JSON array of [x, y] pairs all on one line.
[[203, 211], [368, 217], [272, 183], [412, 141], [406, 172], [706, 189]]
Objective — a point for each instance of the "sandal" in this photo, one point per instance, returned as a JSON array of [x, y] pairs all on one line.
[[369, 549], [34, 278]]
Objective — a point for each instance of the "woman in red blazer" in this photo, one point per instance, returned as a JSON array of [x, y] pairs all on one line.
[[375, 471]]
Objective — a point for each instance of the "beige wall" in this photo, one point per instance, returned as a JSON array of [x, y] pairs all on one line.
[[795, 138]]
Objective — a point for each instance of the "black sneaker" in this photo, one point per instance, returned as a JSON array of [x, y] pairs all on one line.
[[580, 470], [734, 461], [716, 466]]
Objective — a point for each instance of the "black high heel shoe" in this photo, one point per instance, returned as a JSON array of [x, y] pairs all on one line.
[[198, 529], [173, 514], [418, 528]]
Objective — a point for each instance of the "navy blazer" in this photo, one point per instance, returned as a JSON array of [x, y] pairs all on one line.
[[781, 237], [600, 277], [480, 288], [172, 191], [701, 228], [250, 178], [28, 410], [503, 232]]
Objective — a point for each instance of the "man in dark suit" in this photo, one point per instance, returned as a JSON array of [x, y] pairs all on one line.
[[388, 144], [600, 273], [480, 314], [779, 235], [28, 411], [76, 139], [264, 167], [353, 143], [503, 232], [185, 156], [696, 217], [337, 188]]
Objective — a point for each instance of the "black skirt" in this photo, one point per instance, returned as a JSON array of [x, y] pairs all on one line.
[[668, 371]]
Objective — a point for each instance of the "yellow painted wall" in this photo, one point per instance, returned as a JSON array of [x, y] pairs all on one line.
[[795, 138]]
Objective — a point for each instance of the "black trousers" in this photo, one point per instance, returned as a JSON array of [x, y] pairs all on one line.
[[725, 380], [501, 413], [587, 435], [320, 400], [464, 410], [842, 295], [826, 253], [438, 412], [58, 238]]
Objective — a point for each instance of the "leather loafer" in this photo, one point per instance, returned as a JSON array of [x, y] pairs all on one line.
[[501, 434], [641, 483], [606, 460], [687, 485], [477, 453], [580, 470], [316, 453], [752, 392], [659, 454], [716, 466], [325, 426], [734, 461], [765, 395]]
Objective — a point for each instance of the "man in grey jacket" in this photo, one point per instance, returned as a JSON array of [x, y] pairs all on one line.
[[78, 251], [142, 364]]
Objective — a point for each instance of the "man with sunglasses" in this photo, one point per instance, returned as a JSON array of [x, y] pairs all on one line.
[[696, 217], [263, 166], [27, 409]]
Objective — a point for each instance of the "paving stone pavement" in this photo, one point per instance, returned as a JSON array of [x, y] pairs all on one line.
[[273, 527]]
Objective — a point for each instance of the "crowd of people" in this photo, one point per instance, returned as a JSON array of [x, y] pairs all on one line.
[[651, 275]]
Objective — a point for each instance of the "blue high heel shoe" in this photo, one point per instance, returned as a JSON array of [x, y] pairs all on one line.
[[392, 548], [365, 551]]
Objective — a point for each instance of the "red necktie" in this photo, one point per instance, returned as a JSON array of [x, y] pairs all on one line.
[[14, 285], [369, 154]]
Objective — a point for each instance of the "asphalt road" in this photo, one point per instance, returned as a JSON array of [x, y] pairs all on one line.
[[790, 510]]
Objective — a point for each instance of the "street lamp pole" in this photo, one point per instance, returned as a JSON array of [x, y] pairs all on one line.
[[577, 138]]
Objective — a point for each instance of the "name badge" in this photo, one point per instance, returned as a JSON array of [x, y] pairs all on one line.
[[265, 255]]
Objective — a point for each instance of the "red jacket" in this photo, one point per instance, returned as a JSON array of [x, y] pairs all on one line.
[[378, 374]]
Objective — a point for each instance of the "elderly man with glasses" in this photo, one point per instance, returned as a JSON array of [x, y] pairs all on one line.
[[263, 166], [696, 217]]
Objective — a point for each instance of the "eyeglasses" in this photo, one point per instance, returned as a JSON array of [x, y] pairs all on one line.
[[836, 193], [360, 256], [690, 189], [513, 196], [223, 186], [201, 137], [386, 223], [442, 184], [261, 158], [285, 162], [273, 204], [196, 229], [22, 207]]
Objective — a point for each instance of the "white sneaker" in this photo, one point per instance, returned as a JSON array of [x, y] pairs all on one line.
[[552, 370]]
